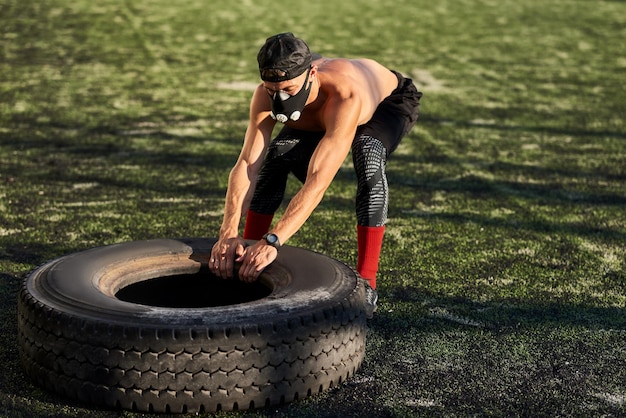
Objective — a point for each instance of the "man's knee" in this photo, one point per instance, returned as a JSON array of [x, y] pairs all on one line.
[[369, 157]]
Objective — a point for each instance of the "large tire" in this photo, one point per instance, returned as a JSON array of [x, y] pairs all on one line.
[[78, 339]]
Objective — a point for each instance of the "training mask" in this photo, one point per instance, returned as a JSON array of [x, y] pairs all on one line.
[[286, 107]]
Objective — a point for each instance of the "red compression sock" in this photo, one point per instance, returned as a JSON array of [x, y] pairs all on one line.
[[370, 242], [257, 225]]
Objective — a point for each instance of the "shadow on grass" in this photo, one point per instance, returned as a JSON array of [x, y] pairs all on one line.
[[517, 128], [53, 152], [542, 194], [437, 356], [579, 229], [447, 356], [507, 315]]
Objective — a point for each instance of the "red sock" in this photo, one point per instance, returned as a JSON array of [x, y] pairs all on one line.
[[370, 242], [257, 225]]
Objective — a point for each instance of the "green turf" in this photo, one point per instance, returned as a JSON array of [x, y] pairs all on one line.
[[503, 275]]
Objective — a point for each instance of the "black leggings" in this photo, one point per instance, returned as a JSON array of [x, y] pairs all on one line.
[[291, 151]]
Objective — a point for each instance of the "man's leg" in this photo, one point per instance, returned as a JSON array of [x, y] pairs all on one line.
[[290, 151], [369, 156], [257, 224], [268, 193], [374, 142]]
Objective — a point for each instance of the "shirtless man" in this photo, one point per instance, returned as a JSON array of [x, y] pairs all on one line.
[[328, 107]]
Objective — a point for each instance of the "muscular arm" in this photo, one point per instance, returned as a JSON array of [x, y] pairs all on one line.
[[341, 117], [241, 181], [243, 175]]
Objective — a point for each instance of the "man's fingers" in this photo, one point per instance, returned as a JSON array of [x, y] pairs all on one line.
[[240, 253], [214, 261], [241, 248], [252, 266], [249, 273], [224, 261], [244, 259], [218, 265], [230, 265], [224, 255], [218, 262]]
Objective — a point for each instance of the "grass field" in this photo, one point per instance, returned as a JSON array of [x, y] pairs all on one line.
[[503, 276]]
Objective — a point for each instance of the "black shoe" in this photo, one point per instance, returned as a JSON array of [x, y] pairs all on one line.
[[371, 299]]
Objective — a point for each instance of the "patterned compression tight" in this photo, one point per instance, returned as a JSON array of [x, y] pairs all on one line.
[[372, 197]]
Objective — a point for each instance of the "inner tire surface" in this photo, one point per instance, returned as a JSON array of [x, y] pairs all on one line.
[[77, 338]]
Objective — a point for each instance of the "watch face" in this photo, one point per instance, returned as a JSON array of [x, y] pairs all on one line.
[[272, 239]]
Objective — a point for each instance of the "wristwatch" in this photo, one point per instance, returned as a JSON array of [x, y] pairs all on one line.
[[272, 239]]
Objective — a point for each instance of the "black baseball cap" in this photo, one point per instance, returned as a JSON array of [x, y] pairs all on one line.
[[283, 57]]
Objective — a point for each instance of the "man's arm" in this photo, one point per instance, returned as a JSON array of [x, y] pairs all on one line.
[[241, 182], [342, 117]]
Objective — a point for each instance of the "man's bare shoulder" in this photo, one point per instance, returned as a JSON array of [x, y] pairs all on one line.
[[365, 78]]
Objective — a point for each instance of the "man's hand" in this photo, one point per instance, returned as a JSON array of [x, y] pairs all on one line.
[[224, 254], [254, 259]]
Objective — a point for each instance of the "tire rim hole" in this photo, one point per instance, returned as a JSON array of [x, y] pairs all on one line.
[[201, 290]]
